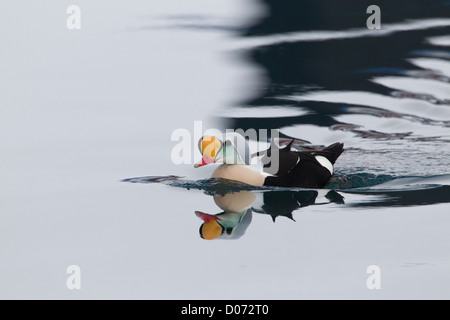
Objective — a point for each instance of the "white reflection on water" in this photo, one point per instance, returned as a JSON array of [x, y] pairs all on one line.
[[332, 35]]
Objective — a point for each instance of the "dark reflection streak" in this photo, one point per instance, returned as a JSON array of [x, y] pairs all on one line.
[[196, 27], [289, 16], [404, 198]]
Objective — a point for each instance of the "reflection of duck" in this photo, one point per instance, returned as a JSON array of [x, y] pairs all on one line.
[[238, 207], [232, 223], [307, 169], [283, 203]]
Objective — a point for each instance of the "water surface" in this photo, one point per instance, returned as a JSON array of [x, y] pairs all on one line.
[[84, 110]]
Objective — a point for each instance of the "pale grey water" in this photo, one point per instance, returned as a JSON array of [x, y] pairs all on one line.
[[84, 109]]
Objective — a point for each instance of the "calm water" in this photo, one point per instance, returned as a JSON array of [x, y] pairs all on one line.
[[100, 111]]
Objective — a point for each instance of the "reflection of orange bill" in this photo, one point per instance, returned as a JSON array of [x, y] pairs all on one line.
[[210, 229], [206, 217]]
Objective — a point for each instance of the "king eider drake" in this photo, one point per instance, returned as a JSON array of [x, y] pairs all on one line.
[[305, 169]]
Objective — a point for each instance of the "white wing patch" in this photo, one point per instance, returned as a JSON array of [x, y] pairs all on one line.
[[325, 163]]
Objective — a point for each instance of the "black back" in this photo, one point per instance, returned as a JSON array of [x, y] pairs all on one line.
[[287, 159], [306, 172]]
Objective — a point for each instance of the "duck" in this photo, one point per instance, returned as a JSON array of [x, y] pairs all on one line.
[[275, 166]]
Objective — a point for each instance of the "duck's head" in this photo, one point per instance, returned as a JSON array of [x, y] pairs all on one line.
[[225, 225], [233, 149], [209, 147]]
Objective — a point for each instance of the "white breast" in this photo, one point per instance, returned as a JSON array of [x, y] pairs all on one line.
[[240, 173]]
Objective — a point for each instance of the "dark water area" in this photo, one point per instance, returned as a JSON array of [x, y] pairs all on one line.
[[290, 16], [346, 64]]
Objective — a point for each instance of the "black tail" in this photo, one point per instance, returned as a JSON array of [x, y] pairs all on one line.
[[332, 152]]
